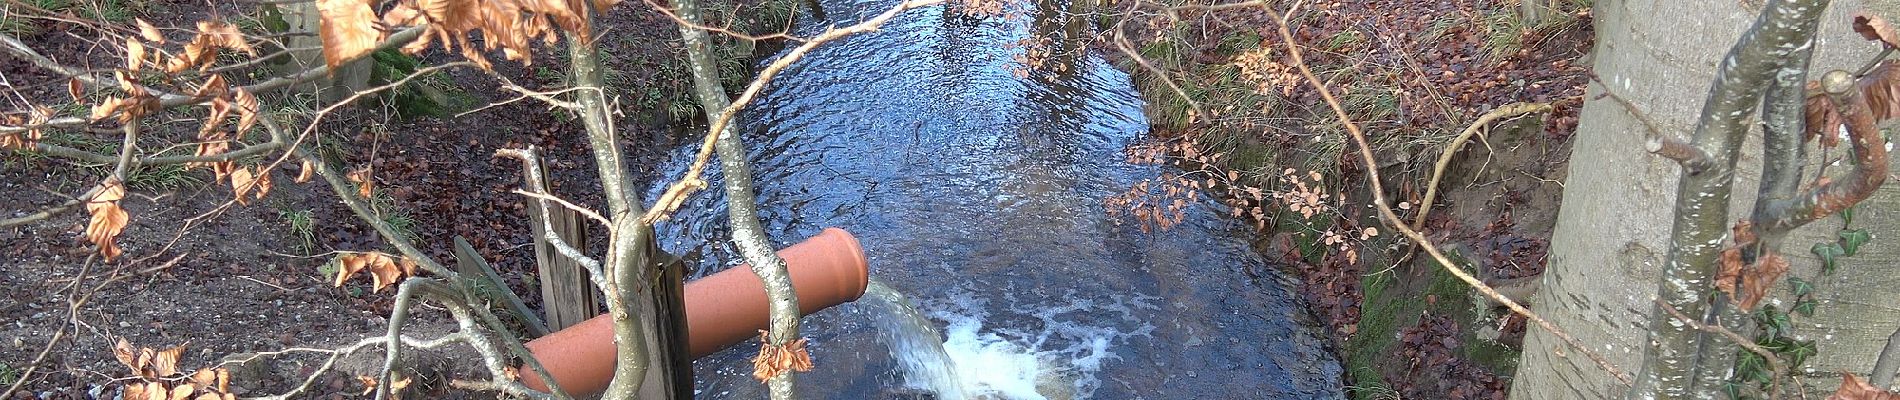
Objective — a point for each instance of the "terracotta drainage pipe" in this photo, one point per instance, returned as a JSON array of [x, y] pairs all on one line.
[[721, 310]]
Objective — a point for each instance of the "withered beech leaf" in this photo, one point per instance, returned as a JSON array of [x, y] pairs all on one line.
[[136, 391], [165, 363], [149, 32], [155, 391], [108, 220], [1881, 87], [383, 271], [206, 377], [1757, 281], [246, 108], [1729, 268], [347, 265], [213, 87], [183, 391], [348, 30], [134, 54], [263, 182], [218, 33], [362, 179], [1854, 388], [308, 170], [77, 89], [242, 181], [125, 353], [402, 14], [1872, 27]]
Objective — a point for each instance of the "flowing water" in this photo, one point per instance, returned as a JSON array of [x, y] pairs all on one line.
[[976, 186]]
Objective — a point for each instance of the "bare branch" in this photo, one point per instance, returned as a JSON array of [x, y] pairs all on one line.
[[683, 187], [1692, 159], [167, 99], [1774, 362], [1866, 176], [1384, 207], [1438, 170]]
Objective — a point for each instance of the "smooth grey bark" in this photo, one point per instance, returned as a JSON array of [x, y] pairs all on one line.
[[642, 320], [1608, 248], [1681, 361], [741, 201]]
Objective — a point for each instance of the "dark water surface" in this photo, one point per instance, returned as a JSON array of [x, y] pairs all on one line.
[[979, 195]]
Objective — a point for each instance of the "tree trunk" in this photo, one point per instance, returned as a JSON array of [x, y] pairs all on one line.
[[650, 317], [748, 234], [1612, 234]]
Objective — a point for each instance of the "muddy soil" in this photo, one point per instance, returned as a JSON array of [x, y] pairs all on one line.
[[228, 279]]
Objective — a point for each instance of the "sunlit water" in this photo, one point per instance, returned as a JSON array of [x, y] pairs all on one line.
[[979, 194]]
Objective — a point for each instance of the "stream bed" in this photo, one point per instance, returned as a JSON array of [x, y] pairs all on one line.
[[976, 185]]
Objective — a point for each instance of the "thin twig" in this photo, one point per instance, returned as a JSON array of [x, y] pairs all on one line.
[[691, 181], [1385, 209], [1774, 362], [1438, 170]]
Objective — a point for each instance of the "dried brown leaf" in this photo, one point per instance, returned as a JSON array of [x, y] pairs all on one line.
[[156, 391], [206, 377], [307, 172], [134, 55], [182, 391], [1874, 28], [77, 89], [135, 391], [348, 30], [263, 182], [220, 34], [383, 271], [108, 220], [1854, 388], [241, 183], [349, 264], [126, 355], [149, 32], [107, 107], [165, 362], [362, 179], [1761, 278], [246, 108], [213, 87]]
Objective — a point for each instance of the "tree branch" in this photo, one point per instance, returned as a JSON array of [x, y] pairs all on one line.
[[1384, 207], [1444, 159], [686, 185], [167, 99], [1866, 176], [1681, 362]]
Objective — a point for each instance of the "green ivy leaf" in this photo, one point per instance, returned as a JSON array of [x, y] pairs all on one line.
[[1827, 252], [1800, 352], [1747, 364], [1773, 322], [1733, 389], [1804, 307], [1852, 239], [1847, 216], [1800, 287]]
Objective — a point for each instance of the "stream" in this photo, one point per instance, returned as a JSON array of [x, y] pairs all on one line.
[[976, 186]]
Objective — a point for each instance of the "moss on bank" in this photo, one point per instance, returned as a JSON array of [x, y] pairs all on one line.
[[1412, 74]]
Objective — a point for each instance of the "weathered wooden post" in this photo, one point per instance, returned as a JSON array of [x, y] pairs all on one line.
[[567, 295]]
